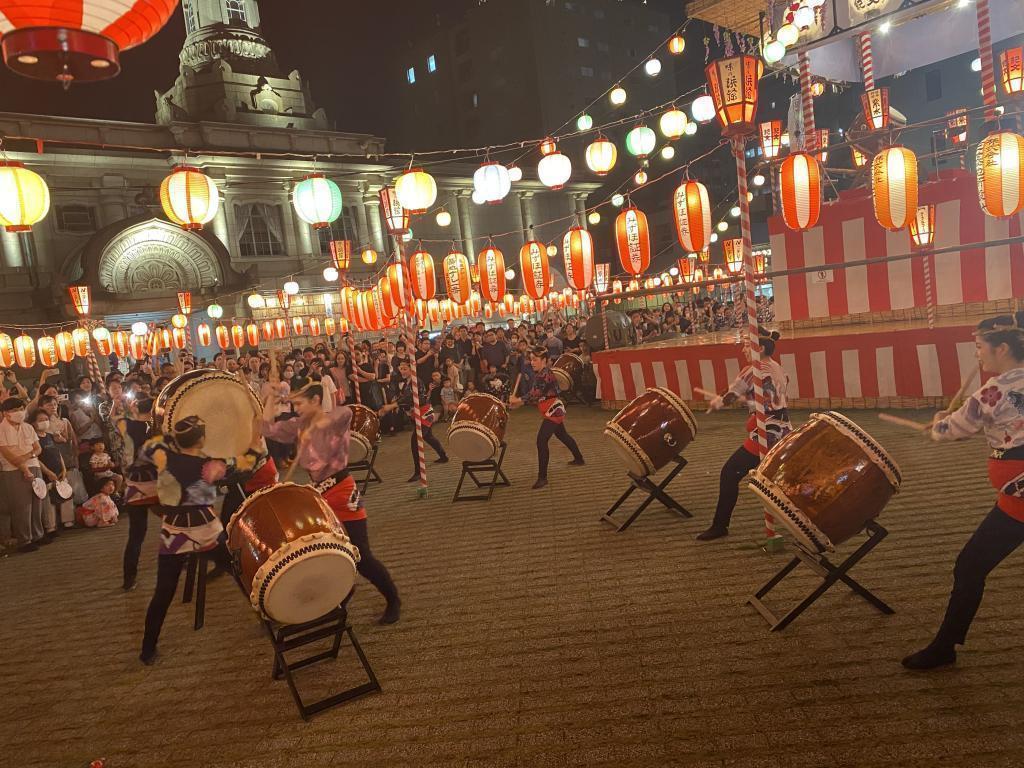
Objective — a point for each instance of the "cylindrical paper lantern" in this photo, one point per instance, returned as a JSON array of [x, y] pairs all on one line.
[[492, 274], [203, 334], [800, 182], [119, 342], [1000, 165], [179, 338], [237, 336], [534, 267], [692, 210], [281, 328], [223, 337], [633, 240], [298, 325], [894, 187], [456, 277], [137, 346], [47, 351], [421, 273], [314, 326], [578, 252], [101, 336], [397, 276], [267, 329]]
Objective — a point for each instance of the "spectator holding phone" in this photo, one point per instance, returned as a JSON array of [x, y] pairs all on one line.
[[21, 510]]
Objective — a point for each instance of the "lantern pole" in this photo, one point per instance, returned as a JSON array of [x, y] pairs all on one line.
[[928, 289], [988, 75], [867, 62]]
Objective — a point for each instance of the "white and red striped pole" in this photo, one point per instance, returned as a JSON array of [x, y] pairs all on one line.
[[988, 75], [867, 62], [928, 289], [810, 137], [750, 334], [352, 360], [409, 329]]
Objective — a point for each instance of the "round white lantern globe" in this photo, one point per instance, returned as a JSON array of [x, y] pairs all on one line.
[[584, 122], [255, 301], [515, 173], [722, 226], [653, 67], [674, 271], [140, 328], [714, 237], [617, 96], [330, 274], [691, 128], [216, 311], [787, 34], [773, 52], [976, 65], [443, 219], [667, 153], [407, 236], [554, 170], [478, 197], [510, 274], [758, 180], [734, 211], [618, 200], [291, 287], [703, 109], [492, 181], [804, 16], [594, 217]]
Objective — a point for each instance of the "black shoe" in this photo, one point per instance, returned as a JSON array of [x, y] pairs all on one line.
[[30, 547], [932, 657], [47, 539], [541, 482], [149, 659], [414, 478], [577, 462], [129, 585], [392, 612], [712, 533], [442, 460]]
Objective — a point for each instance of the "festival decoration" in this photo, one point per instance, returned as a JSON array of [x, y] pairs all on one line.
[[578, 251], [137, 346], [491, 181], [601, 155], [80, 298], [223, 337], [584, 122], [203, 334], [189, 197], [24, 197], [554, 170], [640, 141], [255, 301], [733, 85], [444, 219], [267, 330], [894, 187], [617, 96], [421, 274], [237, 336], [341, 254], [101, 336], [1011, 70], [314, 326], [703, 109], [398, 278], [330, 274], [676, 44], [281, 328], [330, 326], [291, 288], [922, 226], [492, 273], [396, 216], [368, 256], [317, 200], [652, 67], [770, 133], [640, 177], [80, 342], [535, 269], [416, 191], [456, 276], [1000, 169], [859, 158], [823, 137], [692, 210], [179, 320], [298, 325], [800, 183], [956, 126], [139, 328], [47, 351], [179, 338], [875, 103], [633, 240], [548, 147], [120, 343], [733, 251], [434, 311]]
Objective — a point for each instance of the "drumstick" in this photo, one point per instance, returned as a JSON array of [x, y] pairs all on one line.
[[704, 393], [960, 396], [515, 387], [900, 421]]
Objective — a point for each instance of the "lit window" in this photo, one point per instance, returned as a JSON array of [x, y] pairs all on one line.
[[582, 42], [410, 75], [236, 11], [587, 71], [431, 63], [475, 100]]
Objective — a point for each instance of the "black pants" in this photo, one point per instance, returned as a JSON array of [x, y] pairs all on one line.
[[733, 472], [549, 429], [429, 439], [232, 501], [370, 567], [168, 569], [138, 522], [997, 536]]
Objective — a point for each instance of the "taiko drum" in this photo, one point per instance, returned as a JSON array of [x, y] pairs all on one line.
[[478, 427], [652, 430], [568, 369], [222, 400], [364, 432]]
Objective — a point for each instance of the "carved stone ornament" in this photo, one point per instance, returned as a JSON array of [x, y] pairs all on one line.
[[157, 257]]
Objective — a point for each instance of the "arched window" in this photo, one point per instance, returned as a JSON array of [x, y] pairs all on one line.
[[236, 11], [260, 227]]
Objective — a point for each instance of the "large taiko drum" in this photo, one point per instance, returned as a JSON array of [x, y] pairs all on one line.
[[222, 400], [826, 481], [568, 369], [294, 556], [652, 430], [364, 433], [478, 427]]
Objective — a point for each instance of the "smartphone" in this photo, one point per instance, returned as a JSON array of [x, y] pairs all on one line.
[[62, 398]]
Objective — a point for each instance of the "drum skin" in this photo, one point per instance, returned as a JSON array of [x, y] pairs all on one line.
[[652, 430], [478, 427], [292, 553], [222, 400], [826, 480], [364, 432], [567, 370]]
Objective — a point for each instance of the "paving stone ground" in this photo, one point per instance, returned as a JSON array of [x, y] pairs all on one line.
[[533, 635]]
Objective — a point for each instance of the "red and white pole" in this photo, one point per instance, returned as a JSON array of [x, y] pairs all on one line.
[[988, 75], [409, 329], [867, 62], [929, 297], [810, 137]]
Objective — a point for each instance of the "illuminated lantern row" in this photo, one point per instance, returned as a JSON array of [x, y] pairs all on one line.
[[875, 103], [800, 183], [475, 303], [578, 252], [1000, 167], [732, 83], [771, 138], [894, 187], [492, 183], [396, 217], [492, 274], [456, 277], [24, 197], [534, 267], [633, 240], [601, 156], [189, 197], [692, 210], [416, 190], [317, 200], [733, 250]]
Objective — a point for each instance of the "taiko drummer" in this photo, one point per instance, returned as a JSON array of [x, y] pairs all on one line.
[[747, 456], [544, 393], [402, 401], [322, 450], [997, 408]]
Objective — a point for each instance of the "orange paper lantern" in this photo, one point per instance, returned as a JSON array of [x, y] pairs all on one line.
[[800, 182], [732, 83], [238, 336], [25, 351], [534, 267], [223, 337], [771, 138], [330, 326], [421, 273], [179, 338], [314, 326], [492, 274], [578, 252], [633, 240], [120, 343], [64, 346], [298, 325], [341, 254], [456, 277], [80, 298], [47, 351], [1011, 70], [281, 328], [6, 351], [203, 334], [102, 338], [922, 226], [80, 341], [434, 311], [137, 346], [894, 187], [733, 250], [398, 283], [875, 104], [692, 210]]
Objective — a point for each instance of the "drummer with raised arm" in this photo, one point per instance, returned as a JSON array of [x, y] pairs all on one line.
[[321, 441], [544, 393], [401, 400], [997, 409], [747, 456]]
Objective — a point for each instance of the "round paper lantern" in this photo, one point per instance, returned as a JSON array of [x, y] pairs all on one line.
[[601, 155], [421, 274], [330, 274], [24, 196], [317, 200], [80, 342], [291, 288], [280, 328], [692, 210], [369, 256], [77, 41], [179, 320], [535, 269], [416, 190], [101, 336], [189, 197], [456, 277], [47, 352], [223, 336], [578, 251], [492, 182], [673, 124], [617, 96], [314, 326], [398, 283], [492, 273], [137, 346], [548, 146], [640, 141], [203, 334], [267, 328], [443, 219], [584, 122], [119, 342], [703, 109], [676, 44], [773, 52], [894, 187], [633, 240], [800, 185], [256, 301], [652, 67], [237, 336], [1000, 166], [554, 170], [515, 173], [640, 177], [139, 328]]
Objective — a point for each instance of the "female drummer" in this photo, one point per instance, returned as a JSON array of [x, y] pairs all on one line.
[[998, 409], [401, 400], [747, 456], [321, 441], [544, 393]]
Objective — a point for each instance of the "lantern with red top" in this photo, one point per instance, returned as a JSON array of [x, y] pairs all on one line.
[[875, 103], [1011, 71], [771, 138], [395, 216], [732, 83], [922, 227], [633, 240], [80, 298], [341, 254], [733, 250], [185, 302]]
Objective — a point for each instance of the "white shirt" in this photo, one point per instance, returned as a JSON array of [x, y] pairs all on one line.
[[329, 389], [18, 438]]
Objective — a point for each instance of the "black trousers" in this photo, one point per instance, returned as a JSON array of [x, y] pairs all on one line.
[[232, 501], [549, 429], [996, 538], [372, 569], [168, 569], [733, 472], [138, 523], [429, 439]]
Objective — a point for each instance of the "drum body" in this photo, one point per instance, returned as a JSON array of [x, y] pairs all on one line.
[[222, 400], [364, 433], [567, 370], [826, 480], [478, 427], [293, 554], [652, 430]]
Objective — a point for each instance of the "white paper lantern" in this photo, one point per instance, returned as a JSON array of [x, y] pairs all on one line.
[[492, 181], [653, 67], [703, 109], [554, 170], [291, 287]]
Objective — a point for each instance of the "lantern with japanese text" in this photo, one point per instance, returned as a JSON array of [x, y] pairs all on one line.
[[137, 346], [298, 325], [223, 336], [80, 298], [733, 250], [759, 262], [859, 158], [101, 336], [24, 197], [341, 254], [25, 351], [922, 226], [396, 217], [421, 273], [771, 138], [687, 265], [492, 273], [63, 347], [956, 126], [317, 200], [704, 256], [185, 302], [633, 240], [875, 104], [314, 326], [281, 328], [416, 191], [237, 336], [692, 210], [47, 351], [800, 183], [330, 326], [894, 187], [733, 85], [179, 338], [823, 136], [80, 342], [398, 281], [601, 155], [1001, 173], [456, 277], [578, 252], [534, 267], [119, 342], [189, 197], [1011, 70]]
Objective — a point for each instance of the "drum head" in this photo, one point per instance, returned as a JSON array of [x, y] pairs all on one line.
[[564, 380], [358, 447], [220, 399], [472, 442], [633, 456], [309, 587]]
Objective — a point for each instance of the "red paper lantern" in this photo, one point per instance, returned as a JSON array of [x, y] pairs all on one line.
[[388, 305], [179, 338], [80, 298], [875, 103], [396, 218], [281, 328], [137, 346], [47, 352], [185, 302], [80, 341], [434, 311], [1001, 173], [492, 274], [475, 304], [456, 277], [298, 325], [64, 346], [488, 311], [343, 326], [203, 334], [894, 187], [692, 210], [103, 342], [771, 138], [733, 250], [267, 328], [348, 302], [398, 282], [800, 182], [633, 240], [330, 326], [732, 83], [421, 273], [534, 267], [508, 303], [120, 343], [314, 326], [237, 336], [578, 252], [223, 337], [341, 254]]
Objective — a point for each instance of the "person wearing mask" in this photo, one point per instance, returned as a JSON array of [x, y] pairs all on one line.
[[492, 353], [552, 345], [21, 512], [402, 402], [54, 508]]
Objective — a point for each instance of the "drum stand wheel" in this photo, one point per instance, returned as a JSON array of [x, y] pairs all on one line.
[[372, 476], [654, 491], [830, 574], [491, 467]]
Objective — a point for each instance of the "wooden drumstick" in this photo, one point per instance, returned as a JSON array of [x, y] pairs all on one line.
[[900, 421], [961, 395], [705, 393], [515, 387]]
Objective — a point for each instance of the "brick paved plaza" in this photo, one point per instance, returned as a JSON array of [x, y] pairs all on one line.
[[533, 635]]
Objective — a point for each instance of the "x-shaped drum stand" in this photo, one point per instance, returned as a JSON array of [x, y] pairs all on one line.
[[372, 476], [654, 491], [490, 467]]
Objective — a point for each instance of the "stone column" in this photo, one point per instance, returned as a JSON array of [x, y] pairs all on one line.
[[462, 202], [112, 199], [219, 225], [13, 257], [291, 244], [526, 213], [580, 201], [362, 236], [371, 208]]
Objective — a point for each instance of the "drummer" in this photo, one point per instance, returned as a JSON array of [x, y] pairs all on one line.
[[997, 408], [544, 393], [401, 401], [321, 441], [747, 456]]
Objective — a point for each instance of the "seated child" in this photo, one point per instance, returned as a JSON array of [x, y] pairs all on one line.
[[448, 397], [100, 511], [102, 466]]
